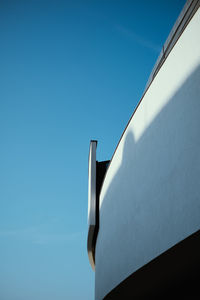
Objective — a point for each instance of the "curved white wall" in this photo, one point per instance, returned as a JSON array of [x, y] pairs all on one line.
[[150, 199]]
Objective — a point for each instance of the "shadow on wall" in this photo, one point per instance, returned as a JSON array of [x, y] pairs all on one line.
[[153, 201]]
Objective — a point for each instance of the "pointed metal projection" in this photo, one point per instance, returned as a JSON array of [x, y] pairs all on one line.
[[92, 224]]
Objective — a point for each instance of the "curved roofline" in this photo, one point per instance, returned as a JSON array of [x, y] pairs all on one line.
[[181, 23]]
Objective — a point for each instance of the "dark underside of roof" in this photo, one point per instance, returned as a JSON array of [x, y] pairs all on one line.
[[175, 274]]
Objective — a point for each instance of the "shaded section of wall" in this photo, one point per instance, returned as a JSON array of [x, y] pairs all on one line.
[[172, 275], [101, 168]]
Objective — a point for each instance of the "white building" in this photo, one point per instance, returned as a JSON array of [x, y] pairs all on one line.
[[144, 214]]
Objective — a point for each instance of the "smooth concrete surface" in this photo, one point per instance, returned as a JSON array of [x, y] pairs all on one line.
[[169, 276], [150, 198]]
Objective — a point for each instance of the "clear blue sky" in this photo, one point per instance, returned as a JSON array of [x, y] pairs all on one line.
[[70, 71]]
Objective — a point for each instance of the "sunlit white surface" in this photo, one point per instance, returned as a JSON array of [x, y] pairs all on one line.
[[181, 62]]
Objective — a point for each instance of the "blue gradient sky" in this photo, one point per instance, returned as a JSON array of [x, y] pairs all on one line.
[[70, 71]]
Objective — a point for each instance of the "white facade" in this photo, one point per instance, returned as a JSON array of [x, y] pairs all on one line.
[[150, 199]]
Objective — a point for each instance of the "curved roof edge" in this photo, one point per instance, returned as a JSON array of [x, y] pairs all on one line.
[[188, 11], [184, 18]]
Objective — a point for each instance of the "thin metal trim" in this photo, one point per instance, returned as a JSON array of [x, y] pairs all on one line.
[[92, 204]]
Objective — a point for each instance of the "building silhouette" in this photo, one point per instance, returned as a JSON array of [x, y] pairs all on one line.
[[144, 204]]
